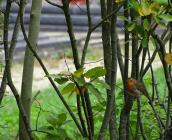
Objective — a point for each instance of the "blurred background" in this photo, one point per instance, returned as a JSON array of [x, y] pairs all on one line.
[[53, 31], [54, 40]]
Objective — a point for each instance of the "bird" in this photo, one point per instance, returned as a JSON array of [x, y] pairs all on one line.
[[135, 88]]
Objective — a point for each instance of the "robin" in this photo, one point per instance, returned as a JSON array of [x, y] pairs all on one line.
[[135, 88]]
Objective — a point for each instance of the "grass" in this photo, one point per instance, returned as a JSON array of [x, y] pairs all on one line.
[[50, 104]]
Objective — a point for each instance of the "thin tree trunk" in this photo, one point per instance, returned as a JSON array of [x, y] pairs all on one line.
[[107, 52], [128, 103], [114, 42], [26, 89]]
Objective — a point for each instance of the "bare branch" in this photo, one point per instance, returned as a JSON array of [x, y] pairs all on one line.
[[8, 71], [54, 4]]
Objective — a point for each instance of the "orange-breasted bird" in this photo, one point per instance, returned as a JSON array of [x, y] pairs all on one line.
[[135, 88]]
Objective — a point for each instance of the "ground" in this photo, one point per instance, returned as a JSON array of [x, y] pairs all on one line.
[[55, 66]]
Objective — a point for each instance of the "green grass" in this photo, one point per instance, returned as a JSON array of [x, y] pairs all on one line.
[[51, 104], [68, 54]]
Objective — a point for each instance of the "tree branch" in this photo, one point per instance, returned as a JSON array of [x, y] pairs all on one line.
[[54, 4], [8, 72]]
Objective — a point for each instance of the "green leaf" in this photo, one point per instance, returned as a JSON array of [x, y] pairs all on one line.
[[146, 24], [95, 72], [100, 106], [52, 119], [36, 136], [56, 119], [79, 72], [61, 118], [134, 4], [141, 31], [61, 80], [97, 107], [103, 84], [52, 137], [144, 42], [98, 118], [92, 89], [123, 18], [68, 88], [61, 133], [166, 17], [131, 26], [49, 129], [80, 80]]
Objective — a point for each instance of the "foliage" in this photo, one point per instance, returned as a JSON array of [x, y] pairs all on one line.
[[50, 119], [93, 97], [80, 78]]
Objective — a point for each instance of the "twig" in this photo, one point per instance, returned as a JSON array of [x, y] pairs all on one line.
[[150, 62], [167, 38], [35, 96], [37, 118], [8, 72], [79, 6], [85, 112], [154, 84], [159, 121], [120, 60], [41, 131], [14, 37], [80, 116], [127, 43], [54, 4], [11, 50], [88, 33], [165, 32], [71, 33], [106, 18], [94, 61], [66, 63], [162, 52], [168, 113], [3, 85], [145, 50], [78, 103]]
